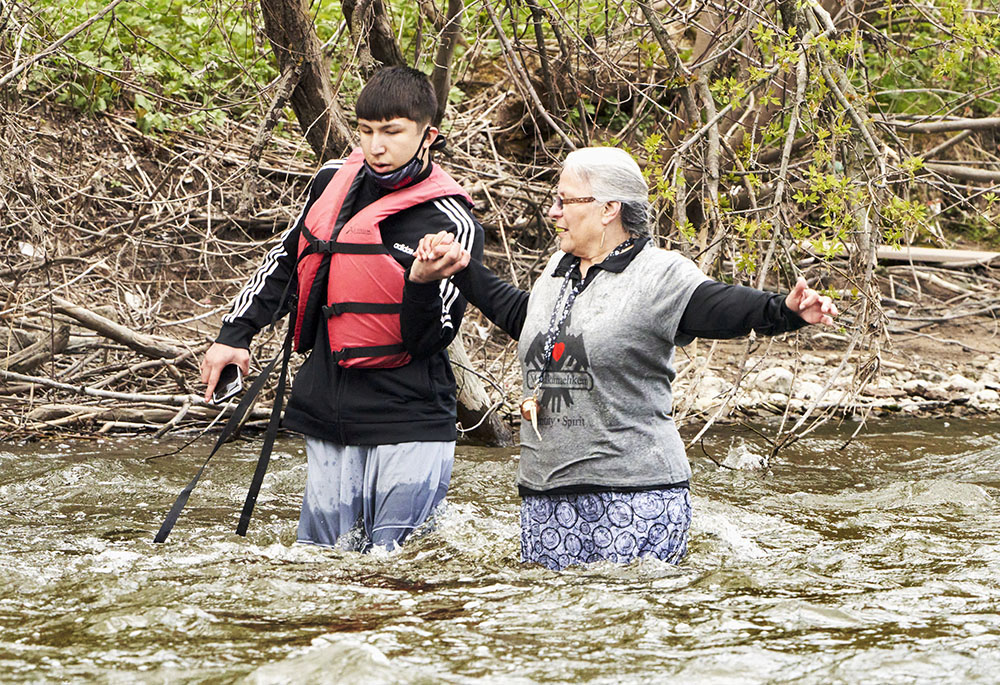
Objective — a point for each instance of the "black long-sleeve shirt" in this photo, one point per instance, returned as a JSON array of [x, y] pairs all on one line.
[[716, 310]]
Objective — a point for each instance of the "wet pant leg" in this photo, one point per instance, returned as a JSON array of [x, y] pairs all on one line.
[[404, 483], [333, 499], [359, 495]]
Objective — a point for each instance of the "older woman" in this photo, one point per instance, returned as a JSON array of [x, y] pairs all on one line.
[[603, 474]]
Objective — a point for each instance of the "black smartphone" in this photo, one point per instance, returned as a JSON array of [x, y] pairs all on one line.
[[230, 383]]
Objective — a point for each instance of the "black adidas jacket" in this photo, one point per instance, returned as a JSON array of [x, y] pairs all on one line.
[[350, 406]]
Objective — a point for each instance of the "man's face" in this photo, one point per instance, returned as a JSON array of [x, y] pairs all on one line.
[[390, 144]]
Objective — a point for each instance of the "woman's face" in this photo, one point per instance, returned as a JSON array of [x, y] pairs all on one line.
[[578, 225]]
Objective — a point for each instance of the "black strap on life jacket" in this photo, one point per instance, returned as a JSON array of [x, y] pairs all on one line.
[[232, 425], [317, 246], [370, 351], [338, 308], [333, 247]]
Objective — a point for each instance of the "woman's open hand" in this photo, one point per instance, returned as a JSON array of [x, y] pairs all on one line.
[[810, 305]]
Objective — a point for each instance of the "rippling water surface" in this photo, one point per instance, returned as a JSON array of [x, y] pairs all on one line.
[[877, 562]]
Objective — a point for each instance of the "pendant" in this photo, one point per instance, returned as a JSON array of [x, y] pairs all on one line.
[[529, 411]]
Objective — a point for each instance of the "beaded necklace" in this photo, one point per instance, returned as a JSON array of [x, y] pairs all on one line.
[[530, 406]]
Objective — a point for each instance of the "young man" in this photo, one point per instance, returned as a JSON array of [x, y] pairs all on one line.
[[375, 400]]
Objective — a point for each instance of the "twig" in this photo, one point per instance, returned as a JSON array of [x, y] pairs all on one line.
[[58, 44], [524, 80]]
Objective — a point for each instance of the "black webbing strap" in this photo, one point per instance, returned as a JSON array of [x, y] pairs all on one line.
[[232, 425], [317, 246], [269, 436], [354, 248], [332, 247], [370, 351], [338, 308]]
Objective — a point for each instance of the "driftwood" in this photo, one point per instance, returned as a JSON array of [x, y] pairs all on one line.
[[933, 255], [143, 344], [924, 255], [476, 413], [964, 173], [175, 400], [37, 353], [78, 413], [197, 405], [942, 125]]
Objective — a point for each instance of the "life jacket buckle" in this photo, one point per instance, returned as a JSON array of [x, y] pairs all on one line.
[[324, 246]]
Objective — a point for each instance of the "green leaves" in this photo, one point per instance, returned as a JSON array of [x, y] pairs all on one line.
[[901, 217], [205, 53]]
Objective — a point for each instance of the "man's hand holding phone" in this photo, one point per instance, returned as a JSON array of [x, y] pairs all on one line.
[[216, 362], [230, 383]]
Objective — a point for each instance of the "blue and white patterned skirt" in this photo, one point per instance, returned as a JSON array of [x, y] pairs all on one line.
[[560, 530]]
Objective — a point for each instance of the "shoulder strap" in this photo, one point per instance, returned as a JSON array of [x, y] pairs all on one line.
[[232, 425], [437, 185], [323, 216]]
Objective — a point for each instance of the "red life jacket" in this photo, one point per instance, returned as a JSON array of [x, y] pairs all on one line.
[[365, 283]]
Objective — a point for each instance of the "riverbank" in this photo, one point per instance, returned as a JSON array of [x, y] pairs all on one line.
[[104, 324], [949, 369]]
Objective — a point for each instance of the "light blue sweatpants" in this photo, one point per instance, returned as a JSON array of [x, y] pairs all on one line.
[[378, 493]]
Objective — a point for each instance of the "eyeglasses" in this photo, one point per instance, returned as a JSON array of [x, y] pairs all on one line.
[[559, 202]]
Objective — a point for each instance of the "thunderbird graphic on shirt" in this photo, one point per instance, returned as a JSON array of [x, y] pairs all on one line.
[[567, 371]]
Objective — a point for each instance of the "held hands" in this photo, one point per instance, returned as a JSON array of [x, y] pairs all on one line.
[[217, 357], [438, 256], [810, 305]]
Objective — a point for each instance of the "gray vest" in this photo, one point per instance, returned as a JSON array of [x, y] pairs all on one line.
[[606, 401]]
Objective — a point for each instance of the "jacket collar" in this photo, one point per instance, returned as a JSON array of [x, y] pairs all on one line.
[[615, 264]]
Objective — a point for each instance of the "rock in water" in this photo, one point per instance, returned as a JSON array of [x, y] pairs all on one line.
[[741, 457]]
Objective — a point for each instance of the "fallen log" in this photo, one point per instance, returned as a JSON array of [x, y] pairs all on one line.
[[140, 342], [14, 340], [153, 415], [963, 173], [474, 408], [924, 255], [63, 414], [38, 352], [942, 125], [934, 255], [170, 400]]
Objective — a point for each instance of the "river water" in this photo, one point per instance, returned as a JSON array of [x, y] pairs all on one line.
[[875, 562]]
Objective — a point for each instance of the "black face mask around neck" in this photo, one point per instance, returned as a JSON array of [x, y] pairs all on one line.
[[397, 178]]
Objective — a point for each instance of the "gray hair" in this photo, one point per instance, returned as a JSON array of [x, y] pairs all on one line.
[[614, 176]]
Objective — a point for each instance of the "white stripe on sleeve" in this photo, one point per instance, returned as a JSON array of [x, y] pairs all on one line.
[[465, 235]]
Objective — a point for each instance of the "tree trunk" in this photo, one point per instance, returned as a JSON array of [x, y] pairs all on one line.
[[441, 76], [372, 31], [473, 402], [293, 38]]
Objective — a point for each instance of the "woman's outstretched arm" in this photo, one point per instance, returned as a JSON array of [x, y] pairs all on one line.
[[721, 311]]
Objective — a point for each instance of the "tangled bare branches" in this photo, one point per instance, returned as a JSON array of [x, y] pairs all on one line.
[[771, 141]]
